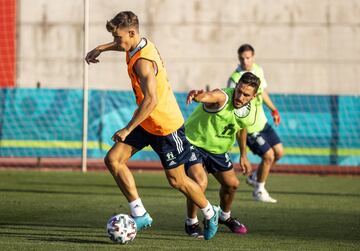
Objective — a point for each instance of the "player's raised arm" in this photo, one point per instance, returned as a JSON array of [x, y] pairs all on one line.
[[91, 56], [215, 96]]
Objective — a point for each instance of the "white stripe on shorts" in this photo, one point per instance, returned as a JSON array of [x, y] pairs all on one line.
[[178, 141]]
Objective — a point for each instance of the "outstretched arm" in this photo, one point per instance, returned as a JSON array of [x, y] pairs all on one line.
[[215, 96], [274, 112], [91, 56], [145, 71]]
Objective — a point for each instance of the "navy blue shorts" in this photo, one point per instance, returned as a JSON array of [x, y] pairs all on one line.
[[173, 149], [259, 143], [213, 162]]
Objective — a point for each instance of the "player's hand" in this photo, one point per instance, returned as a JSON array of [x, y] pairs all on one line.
[[192, 95], [92, 55], [245, 165], [276, 116], [120, 135]]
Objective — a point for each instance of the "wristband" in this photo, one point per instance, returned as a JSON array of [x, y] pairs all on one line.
[[276, 115]]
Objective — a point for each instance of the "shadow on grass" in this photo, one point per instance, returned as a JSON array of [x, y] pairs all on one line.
[[273, 223], [53, 227], [71, 240], [46, 191], [80, 239], [110, 185], [55, 237], [305, 223], [169, 189], [317, 194], [272, 191], [53, 192]]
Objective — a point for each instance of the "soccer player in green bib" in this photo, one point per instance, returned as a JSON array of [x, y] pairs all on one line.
[[212, 129], [261, 138]]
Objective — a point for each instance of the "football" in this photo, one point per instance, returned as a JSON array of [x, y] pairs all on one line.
[[121, 228]]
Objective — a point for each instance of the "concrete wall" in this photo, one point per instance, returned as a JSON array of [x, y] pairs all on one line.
[[307, 46]]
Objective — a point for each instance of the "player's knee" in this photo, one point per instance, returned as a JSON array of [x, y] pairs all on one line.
[[107, 160], [176, 183], [269, 157], [235, 184], [232, 186], [203, 184], [201, 181], [279, 153], [111, 161]]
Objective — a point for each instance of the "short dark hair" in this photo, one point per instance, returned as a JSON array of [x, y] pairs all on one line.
[[249, 78], [121, 20], [245, 47]]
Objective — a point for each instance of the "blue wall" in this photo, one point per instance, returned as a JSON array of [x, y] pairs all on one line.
[[48, 123]]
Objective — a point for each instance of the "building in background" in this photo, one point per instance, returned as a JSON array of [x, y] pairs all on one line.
[[310, 50]]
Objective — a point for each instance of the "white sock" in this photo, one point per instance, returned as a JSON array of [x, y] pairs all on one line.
[[191, 221], [208, 211], [225, 215], [137, 208], [260, 186]]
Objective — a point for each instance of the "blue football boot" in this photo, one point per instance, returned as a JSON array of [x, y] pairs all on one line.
[[142, 222], [211, 225]]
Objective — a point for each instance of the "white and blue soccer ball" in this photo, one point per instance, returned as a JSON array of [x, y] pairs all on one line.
[[121, 228]]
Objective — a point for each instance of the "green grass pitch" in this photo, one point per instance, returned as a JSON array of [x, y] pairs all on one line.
[[69, 210]]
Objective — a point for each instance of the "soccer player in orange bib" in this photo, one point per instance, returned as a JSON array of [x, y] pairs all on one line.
[[157, 122]]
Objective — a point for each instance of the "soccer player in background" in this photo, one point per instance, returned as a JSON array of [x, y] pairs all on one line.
[[212, 129], [157, 122], [261, 138]]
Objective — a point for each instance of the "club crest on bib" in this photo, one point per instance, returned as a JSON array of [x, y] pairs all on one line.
[[243, 111]]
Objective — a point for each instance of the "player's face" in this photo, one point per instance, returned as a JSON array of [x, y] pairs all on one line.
[[124, 37], [246, 60], [243, 94]]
